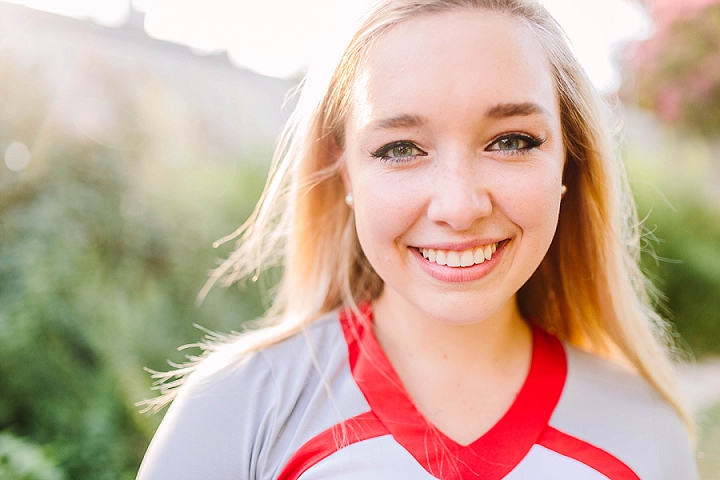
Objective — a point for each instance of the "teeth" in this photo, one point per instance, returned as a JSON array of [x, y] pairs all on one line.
[[453, 259], [479, 255], [464, 258]]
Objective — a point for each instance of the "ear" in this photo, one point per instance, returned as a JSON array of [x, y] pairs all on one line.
[[345, 176], [339, 155]]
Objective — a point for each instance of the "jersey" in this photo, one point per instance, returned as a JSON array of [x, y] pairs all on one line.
[[327, 404]]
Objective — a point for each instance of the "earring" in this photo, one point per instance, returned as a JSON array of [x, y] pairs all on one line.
[[349, 200], [563, 191]]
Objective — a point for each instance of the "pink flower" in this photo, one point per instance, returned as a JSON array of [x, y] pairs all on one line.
[[666, 12], [669, 103]]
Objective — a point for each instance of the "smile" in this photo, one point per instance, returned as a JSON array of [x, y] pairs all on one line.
[[463, 258]]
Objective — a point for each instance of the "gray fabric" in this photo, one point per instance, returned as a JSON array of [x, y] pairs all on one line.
[[622, 414], [544, 464], [245, 419], [677, 458], [390, 461]]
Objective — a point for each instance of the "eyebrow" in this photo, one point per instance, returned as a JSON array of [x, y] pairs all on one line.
[[502, 110], [402, 121]]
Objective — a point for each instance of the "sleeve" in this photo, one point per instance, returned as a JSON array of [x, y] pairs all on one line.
[[217, 425], [677, 457]]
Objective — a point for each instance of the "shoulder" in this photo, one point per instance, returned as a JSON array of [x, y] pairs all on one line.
[[235, 404], [236, 368], [619, 412]]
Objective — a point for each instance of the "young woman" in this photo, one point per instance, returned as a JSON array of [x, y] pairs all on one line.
[[460, 295]]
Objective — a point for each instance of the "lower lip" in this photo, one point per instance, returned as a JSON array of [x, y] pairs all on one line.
[[459, 274]]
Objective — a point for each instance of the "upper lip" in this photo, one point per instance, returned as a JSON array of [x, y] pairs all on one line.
[[460, 246]]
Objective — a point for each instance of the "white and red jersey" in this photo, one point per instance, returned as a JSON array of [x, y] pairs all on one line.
[[327, 404]]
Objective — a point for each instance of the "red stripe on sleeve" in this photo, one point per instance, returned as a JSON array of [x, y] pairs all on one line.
[[353, 430], [586, 453]]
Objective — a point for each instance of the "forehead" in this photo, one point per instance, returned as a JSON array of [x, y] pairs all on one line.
[[460, 60]]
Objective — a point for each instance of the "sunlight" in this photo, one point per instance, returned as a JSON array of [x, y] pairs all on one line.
[[110, 13], [280, 38]]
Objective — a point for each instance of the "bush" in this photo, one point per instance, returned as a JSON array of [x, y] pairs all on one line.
[[23, 460], [683, 258], [102, 254]]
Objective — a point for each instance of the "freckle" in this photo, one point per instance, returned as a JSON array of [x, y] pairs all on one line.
[[445, 357]]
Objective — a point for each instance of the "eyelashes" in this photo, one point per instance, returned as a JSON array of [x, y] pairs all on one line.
[[403, 151], [399, 152], [515, 143]]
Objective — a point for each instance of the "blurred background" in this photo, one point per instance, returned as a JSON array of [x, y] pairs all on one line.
[[134, 134]]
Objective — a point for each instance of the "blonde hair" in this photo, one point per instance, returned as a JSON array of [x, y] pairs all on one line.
[[588, 290]]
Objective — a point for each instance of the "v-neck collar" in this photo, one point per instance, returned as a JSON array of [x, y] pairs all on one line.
[[494, 454]]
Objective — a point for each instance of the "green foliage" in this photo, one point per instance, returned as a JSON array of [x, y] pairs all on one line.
[[675, 73], [683, 258], [23, 460], [102, 254]]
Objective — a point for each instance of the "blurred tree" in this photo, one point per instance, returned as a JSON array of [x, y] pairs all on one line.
[[683, 259], [103, 249], [676, 71], [22, 460], [675, 74]]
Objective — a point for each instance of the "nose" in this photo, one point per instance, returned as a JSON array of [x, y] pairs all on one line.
[[459, 194]]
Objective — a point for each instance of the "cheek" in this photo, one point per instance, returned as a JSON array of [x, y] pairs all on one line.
[[532, 201], [384, 210]]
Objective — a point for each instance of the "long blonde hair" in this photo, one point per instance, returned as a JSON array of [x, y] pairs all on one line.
[[588, 290]]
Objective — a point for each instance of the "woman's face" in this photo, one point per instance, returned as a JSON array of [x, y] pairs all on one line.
[[454, 155]]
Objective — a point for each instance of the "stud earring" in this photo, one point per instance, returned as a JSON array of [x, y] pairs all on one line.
[[349, 200], [563, 191]]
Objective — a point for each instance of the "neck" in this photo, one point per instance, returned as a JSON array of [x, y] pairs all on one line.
[[406, 332]]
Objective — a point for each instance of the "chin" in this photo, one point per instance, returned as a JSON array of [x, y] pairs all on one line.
[[457, 310]]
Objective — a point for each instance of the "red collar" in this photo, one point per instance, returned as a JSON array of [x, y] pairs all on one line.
[[494, 454]]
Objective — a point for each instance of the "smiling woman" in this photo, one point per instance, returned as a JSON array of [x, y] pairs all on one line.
[[480, 164], [472, 309]]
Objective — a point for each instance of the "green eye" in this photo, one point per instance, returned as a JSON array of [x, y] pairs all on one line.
[[399, 152], [511, 144], [515, 142], [402, 151]]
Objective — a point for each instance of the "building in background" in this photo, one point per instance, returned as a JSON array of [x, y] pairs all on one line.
[[189, 105]]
